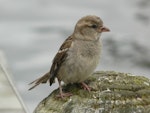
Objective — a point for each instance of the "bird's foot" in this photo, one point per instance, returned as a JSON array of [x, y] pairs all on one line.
[[62, 95], [86, 87]]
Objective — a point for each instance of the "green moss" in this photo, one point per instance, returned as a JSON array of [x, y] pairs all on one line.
[[111, 92]]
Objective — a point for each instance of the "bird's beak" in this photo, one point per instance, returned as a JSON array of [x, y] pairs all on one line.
[[104, 29]]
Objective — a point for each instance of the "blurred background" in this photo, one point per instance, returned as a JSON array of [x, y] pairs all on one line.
[[31, 32]]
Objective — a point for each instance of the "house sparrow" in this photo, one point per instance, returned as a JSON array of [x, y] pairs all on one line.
[[78, 56]]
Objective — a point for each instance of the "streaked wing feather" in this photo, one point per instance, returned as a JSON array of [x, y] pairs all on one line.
[[59, 59]]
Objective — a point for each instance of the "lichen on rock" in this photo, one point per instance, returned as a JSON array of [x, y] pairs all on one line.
[[112, 92]]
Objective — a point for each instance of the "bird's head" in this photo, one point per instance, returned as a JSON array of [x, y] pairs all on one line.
[[89, 28]]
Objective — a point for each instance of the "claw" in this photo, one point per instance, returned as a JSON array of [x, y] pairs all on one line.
[[86, 87], [62, 95]]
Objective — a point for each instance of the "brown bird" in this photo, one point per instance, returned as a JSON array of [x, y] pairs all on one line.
[[78, 56]]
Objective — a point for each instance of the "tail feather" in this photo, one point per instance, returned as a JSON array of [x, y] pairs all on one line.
[[40, 80]]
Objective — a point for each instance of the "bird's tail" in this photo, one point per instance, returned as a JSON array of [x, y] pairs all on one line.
[[40, 80]]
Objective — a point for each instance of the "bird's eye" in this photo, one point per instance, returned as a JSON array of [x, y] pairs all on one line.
[[94, 26]]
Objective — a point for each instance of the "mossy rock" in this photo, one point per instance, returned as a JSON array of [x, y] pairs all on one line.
[[112, 92]]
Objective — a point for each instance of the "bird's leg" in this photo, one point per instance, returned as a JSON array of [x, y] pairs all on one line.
[[85, 86], [62, 94]]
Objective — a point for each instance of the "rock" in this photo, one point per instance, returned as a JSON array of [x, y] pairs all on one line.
[[113, 92]]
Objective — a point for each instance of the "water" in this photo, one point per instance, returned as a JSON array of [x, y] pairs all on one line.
[[32, 31]]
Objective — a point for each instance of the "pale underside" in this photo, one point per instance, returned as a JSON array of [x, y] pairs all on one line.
[[80, 64]]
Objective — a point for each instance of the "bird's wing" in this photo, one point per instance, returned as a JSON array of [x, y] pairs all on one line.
[[59, 59]]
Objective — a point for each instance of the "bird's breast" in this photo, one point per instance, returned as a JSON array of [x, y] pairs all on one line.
[[81, 61]]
